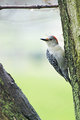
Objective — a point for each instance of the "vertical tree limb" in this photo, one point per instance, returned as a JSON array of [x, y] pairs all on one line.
[[70, 17]]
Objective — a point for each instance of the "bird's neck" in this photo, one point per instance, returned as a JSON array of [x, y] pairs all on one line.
[[51, 45], [55, 49]]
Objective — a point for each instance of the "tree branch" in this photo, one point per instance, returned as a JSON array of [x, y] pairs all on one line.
[[13, 103], [27, 6]]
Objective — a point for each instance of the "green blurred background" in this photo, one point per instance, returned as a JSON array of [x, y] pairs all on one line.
[[23, 56]]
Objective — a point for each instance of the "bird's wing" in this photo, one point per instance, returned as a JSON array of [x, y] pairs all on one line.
[[54, 62]]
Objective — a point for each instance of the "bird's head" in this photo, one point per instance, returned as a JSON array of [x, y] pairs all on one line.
[[51, 40]]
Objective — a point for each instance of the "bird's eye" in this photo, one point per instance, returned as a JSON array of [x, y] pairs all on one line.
[[50, 39]]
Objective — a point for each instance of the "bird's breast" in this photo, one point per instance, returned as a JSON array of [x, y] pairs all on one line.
[[58, 53]]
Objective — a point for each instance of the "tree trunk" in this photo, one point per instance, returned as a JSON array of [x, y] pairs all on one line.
[[70, 17], [13, 103]]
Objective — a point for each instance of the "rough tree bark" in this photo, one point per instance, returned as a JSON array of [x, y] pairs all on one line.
[[70, 17], [13, 103]]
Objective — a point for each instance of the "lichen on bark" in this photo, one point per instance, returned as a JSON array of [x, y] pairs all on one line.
[[8, 108], [70, 17], [13, 103]]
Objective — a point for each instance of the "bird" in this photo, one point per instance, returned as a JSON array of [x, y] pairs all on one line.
[[56, 56]]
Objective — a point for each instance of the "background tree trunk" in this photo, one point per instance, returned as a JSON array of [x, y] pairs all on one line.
[[13, 103], [70, 17]]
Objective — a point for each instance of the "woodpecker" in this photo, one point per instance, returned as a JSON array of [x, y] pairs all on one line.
[[56, 56]]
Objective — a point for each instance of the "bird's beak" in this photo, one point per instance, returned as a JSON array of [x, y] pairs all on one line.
[[44, 39]]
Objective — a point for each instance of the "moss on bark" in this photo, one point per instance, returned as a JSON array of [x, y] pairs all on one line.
[[8, 108], [70, 17], [13, 103]]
